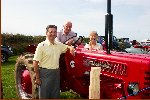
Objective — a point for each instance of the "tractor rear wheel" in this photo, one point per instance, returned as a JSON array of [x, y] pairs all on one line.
[[25, 76]]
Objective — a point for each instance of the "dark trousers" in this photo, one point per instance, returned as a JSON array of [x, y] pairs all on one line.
[[50, 86]]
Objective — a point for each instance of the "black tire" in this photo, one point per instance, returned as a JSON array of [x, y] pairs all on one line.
[[25, 63], [4, 57]]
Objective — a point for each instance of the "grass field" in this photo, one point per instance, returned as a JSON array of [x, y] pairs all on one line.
[[8, 82]]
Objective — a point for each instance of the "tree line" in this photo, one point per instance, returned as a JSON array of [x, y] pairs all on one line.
[[19, 42]]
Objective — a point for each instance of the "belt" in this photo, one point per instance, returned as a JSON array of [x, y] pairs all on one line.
[[45, 68]]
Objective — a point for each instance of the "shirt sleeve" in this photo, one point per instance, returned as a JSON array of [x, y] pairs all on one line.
[[74, 34], [63, 47], [100, 47], [38, 53]]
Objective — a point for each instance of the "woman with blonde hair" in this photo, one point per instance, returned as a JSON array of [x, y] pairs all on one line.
[[93, 42]]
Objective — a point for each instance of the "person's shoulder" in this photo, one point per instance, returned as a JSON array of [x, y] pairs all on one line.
[[59, 43], [42, 43], [73, 33], [98, 44]]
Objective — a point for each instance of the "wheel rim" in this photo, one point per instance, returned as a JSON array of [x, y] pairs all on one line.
[[26, 82], [24, 85]]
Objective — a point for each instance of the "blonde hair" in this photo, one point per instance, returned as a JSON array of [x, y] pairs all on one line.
[[93, 32]]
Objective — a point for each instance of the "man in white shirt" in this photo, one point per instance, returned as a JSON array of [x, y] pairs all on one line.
[[46, 64]]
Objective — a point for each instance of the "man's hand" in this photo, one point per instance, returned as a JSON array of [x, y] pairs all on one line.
[[69, 42], [36, 69], [72, 50], [37, 81]]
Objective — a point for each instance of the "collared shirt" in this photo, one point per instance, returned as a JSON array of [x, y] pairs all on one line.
[[62, 37], [98, 46], [48, 54]]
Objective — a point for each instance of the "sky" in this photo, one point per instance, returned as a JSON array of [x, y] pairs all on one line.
[[131, 18]]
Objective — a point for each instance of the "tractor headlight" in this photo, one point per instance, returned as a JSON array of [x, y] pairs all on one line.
[[133, 88]]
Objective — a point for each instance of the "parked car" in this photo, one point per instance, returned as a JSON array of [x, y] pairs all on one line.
[[136, 50], [6, 52]]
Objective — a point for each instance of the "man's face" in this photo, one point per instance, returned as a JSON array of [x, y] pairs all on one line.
[[67, 27], [51, 33]]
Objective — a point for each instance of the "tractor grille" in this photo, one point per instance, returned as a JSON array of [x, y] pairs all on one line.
[[106, 66]]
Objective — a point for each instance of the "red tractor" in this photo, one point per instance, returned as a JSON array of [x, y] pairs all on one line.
[[123, 75]]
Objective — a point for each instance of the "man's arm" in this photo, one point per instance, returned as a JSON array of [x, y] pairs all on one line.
[[37, 75], [72, 50]]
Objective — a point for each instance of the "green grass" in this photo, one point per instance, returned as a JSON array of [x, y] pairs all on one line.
[[8, 82], [8, 79]]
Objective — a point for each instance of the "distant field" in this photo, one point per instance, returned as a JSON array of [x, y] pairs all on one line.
[[8, 81]]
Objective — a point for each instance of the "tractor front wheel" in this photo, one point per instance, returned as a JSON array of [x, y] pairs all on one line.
[[24, 77]]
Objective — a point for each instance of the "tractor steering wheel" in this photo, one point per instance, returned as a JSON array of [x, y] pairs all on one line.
[[75, 42], [78, 41]]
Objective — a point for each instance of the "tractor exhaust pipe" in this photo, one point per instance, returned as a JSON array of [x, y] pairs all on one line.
[[108, 28]]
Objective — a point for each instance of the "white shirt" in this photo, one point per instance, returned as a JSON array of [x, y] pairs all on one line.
[[98, 46], [48, 54]]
